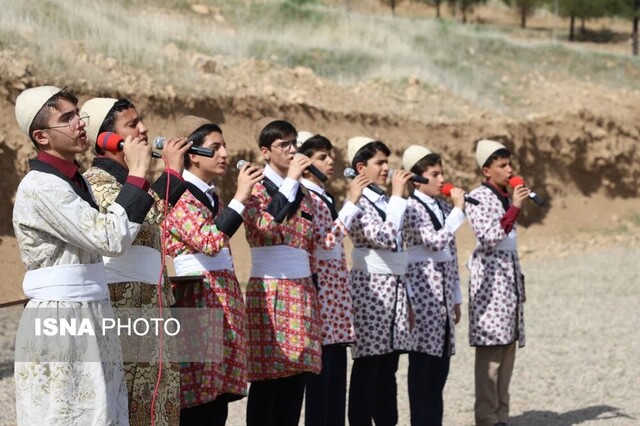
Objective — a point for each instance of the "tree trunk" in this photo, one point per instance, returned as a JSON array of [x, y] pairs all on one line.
[[572, 25], [583, 28], [523, 18], [464, 14], [438, 10], [634, 36], [393, 8]]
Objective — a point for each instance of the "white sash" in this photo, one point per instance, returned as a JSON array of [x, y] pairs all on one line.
[[72, 283], [137, 263], [419, 254], [280, 262], [510, 243], [334, 254], [186, 264], [379, 261]]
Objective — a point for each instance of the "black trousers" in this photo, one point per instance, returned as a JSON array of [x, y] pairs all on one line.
[[426, 378], [276, 402], [373, 392], [326, 393], [213, 413]]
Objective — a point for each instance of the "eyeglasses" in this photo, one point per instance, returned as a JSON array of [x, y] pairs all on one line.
[[73, 123], [285, 145]]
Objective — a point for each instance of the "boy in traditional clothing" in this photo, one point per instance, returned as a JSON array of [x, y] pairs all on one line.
[[326, 392], [433, 283], [496, 290], [198, 232], [62, 237], [377, 287], [283, 311], [133, 277]]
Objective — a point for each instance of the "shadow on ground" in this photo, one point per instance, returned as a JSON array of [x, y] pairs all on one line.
[[599, 412]]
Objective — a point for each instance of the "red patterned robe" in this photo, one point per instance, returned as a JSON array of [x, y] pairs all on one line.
[[496, 293], [283, 314], [193, 228]]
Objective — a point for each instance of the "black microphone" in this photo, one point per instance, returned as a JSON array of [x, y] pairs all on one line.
[[517, 180], [349, 173], [158, 143], [314, 171], [414, 178], [113, 142], [446, 191]]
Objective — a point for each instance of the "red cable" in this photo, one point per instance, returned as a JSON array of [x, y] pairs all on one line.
[[160, 282]]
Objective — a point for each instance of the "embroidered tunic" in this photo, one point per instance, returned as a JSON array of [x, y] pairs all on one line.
[[283, 314], [57, 224], [196, 225], [432, 275], [496, 290], [106, 178], [330, 229], [379, 300]]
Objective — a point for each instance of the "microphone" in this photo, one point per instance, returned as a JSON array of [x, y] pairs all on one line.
[[517, 180], [446, 191], [316, 172], [240, 164], [349, 173], [414, 178], [158, 143], [113, 142]]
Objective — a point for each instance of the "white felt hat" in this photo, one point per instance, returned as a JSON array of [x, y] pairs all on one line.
[[303, 136], [485, 149], [30, 102], [96, 109], [413, 154], [355, 144]]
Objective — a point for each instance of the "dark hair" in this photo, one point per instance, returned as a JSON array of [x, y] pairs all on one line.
[[314, 144], [198, 136], [109, 122], [276, 130], [501, 153], [41, 120], [425, 162], [369, 151]]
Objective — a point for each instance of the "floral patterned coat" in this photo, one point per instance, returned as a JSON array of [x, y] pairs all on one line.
[[496, 290]]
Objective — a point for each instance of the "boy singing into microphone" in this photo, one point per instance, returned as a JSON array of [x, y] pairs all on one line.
[[326, 393], [380, 302], [496, 289], [283, 311], [133, 277], [199, 228], [433, 283]]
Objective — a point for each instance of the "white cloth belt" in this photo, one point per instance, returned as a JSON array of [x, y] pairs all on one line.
[[334, 254], [419, 254], [279, 262], [379, 261], [137, 263], [72, 283], [186, 264], [510, 243]]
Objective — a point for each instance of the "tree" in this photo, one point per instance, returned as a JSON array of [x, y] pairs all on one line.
[[525, 8], [583, 10], [629, 9], [392, 4], [434, 3], [465, 7]]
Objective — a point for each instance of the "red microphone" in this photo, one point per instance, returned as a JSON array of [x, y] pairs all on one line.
[[446, 191], [113, 142], [517, 181]]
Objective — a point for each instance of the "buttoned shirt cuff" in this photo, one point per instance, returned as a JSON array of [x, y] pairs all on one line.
[[289, 188], [347, 213], [454, 220], [236, 205], [395, 210], [139, 182]]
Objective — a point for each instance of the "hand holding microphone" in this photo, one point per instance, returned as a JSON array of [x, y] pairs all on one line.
[[413, 178], [311, 168], [160, 141], [349, 173], [523, 192], [249, 175], [448, 190], [136, 151]]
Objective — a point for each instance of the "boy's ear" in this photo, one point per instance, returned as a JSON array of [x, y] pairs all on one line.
[[265, 152], [359, 167], [486, 172], [41, 138]]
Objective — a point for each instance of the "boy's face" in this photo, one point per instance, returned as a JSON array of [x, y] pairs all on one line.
[[129, 123], [436, 180], [323, 160], [281, 152], [216, 165], [499, 171], [67, 137], [376, 169]]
